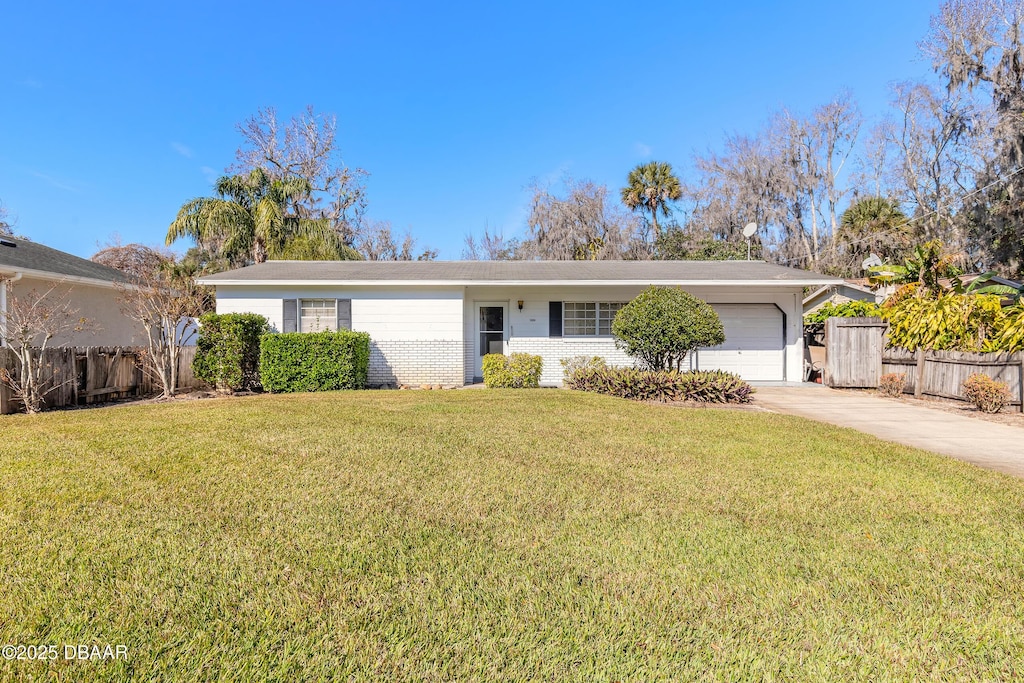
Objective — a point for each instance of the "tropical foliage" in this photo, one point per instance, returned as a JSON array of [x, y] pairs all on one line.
[[874, 225], [252, 218], [926, 268], [714, 386], [947, 322], [650, 188]]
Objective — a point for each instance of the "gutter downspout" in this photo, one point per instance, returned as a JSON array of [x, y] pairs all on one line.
[[4, 280]]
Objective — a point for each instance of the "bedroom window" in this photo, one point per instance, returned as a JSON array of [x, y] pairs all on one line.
[[317, 315], [583, 319]]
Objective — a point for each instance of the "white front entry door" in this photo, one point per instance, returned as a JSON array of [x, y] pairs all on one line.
[[491, 331], [754, 345]]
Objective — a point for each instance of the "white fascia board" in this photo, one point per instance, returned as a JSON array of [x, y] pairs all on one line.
[[516, 283], [58, 277]]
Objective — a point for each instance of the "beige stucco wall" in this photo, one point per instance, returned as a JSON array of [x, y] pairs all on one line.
[[100, 307]]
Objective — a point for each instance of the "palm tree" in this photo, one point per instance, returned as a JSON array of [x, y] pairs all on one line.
[[873, 225], [251, 219], [650, 187], [921, 274]]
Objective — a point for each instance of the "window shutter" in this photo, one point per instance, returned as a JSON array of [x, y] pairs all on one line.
[[554, 318], [290, 317], [344, 314]]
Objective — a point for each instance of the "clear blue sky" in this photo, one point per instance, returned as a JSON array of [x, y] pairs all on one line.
[[112, 117]]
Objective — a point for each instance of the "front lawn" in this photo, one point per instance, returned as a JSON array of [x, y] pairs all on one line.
[[498, 535]]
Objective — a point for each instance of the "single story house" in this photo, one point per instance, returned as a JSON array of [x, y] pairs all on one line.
[[433, 321], [841, 293], [91, 289]]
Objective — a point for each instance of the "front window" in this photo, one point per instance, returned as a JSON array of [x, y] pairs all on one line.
[[582, 319], [317, 315]]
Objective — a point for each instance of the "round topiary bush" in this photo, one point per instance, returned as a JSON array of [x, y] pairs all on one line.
[[663, 324]]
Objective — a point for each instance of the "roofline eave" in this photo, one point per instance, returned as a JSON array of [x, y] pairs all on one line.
[[519, 283], [7, 271]]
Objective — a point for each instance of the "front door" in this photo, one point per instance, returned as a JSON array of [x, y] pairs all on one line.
[[491, 324]]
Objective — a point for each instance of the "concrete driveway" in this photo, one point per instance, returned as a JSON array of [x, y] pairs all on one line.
[[986, 444]]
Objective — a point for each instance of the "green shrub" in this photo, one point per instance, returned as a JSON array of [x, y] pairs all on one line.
[[320, 361], [847, 309], [663, 324], [892, 383], [517, 371], [987, 395], [228, 350], [571, 365], [706, 386]]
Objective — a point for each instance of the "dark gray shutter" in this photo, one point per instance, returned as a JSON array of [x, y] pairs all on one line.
[[554, 318], [344, 314], [290, 317]]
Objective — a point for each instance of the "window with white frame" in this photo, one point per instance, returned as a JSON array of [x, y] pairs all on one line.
[[317, 315], [583, 319]]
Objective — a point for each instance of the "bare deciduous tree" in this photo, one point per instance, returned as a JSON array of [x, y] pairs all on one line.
[[786, 178], [306, 147], [936, 158], [583, 225], [33, 323], [165, 300], [137, 260], [490, 247], [977, 47], [6, 223], [376, 241]]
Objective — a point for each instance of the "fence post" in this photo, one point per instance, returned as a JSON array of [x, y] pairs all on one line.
[[919, 373], [1020, 382]]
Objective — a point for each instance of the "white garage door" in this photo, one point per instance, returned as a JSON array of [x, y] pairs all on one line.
[[754, 348]]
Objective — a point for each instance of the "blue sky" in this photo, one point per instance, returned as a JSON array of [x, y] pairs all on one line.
[[112, 116]]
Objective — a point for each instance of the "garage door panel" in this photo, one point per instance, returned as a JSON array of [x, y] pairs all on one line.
[[754, 347]]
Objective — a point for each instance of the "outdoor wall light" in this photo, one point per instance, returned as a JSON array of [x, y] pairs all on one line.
[[520, 302]]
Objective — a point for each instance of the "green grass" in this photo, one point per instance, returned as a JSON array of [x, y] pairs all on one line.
[[499, 535]]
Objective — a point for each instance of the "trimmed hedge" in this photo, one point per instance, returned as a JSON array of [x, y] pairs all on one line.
[[320, 361], [518, 371], [664, 324], [710, 386], [228, 350]]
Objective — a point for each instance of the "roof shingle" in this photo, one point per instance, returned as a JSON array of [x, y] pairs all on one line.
[[493, 272], [25, 255]]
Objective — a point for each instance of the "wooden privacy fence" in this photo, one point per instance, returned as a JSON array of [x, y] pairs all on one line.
[[856, 356], [853, 355], [94, 374]]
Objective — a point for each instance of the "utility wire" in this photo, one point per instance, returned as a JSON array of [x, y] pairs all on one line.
[[910, 221]]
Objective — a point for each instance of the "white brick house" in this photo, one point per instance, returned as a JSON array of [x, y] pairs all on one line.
[[432, 322]]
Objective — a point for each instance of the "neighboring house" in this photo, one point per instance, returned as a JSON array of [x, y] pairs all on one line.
[[433, 321], [26, 266], [840, 293]]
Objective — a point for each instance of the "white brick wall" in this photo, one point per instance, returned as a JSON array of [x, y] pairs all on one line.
[[553, 350], [415, 362]]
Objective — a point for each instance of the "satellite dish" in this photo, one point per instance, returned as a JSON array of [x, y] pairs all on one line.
[[749, 229], [871, 261]]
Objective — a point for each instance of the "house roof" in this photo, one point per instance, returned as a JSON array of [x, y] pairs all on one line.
[[518, 272], [847, 288], [37, 260]]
